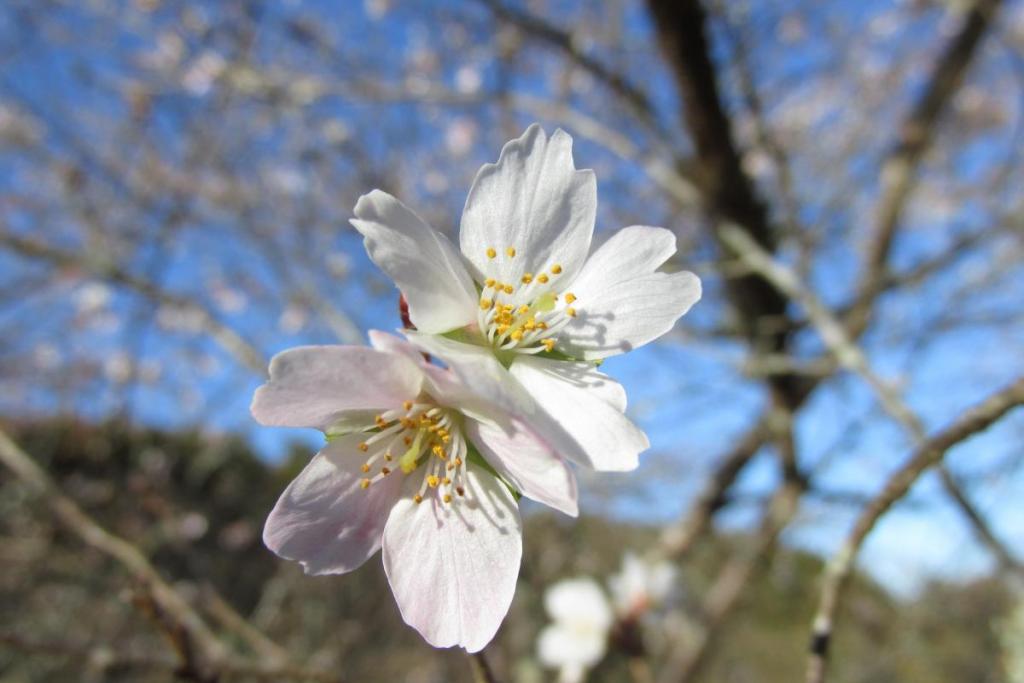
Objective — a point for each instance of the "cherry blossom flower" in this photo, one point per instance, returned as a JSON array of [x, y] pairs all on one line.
[[577, 638], [640, 585], [523, 309], [417, 465]]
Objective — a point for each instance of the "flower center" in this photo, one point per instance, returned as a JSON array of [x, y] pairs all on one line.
[[524, 316], [419, 435]]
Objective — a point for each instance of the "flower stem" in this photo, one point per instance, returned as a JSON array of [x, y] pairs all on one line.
[[481, 669]]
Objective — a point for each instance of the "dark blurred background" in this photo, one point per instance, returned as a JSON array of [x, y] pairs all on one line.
[[176, 180]]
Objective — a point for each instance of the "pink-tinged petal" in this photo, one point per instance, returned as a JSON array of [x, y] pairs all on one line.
[[440, 383], [478, 370], [392, 343], [609, 441], [453, 568], [314, 386], [424, 265], [535, 201], [487, 379], [622, 303], [325, 520], [527, 462]]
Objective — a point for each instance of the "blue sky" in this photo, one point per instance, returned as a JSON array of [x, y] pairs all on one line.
[[687, 393]]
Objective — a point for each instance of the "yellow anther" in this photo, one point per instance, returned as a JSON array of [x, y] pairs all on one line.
[[542, 325], [542, 278], [549, 344], [517, 335], [447, 497], [485, 304], [417, 499], [438, 451], [570, 311], [490, 282], [433, 481], [502, 329], [491, 253], [527, 278], [385, 471], [446, 481], [556, 269], [569, 297], [365, 468], [509, 289], [363, 446], [458, 462], [407, 405], [364, 483], [523, 309], [511, 251]]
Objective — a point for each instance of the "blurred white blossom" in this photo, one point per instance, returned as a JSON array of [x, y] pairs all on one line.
[[640, 585], [577, 638]]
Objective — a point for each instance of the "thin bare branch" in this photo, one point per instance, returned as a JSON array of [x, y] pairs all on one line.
[[899, 171], [974, 420], [228, 338]]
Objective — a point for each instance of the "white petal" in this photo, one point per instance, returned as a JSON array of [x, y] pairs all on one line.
[[312, 386], [442, 384], [526, 462], [423, 263], [535, 201], [488, 379], [392, 343], [478, 369], [453, 568], [562, 647], [622, 303], [579, 602], [324, 519], [609, 441]]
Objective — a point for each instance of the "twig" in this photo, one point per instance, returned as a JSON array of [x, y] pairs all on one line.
[[541, 30], [850, 356], [202, 651], [927, 454], [95, 536], [224, 335], [899, 171], [482, 672], [106, 658], [678, 539]]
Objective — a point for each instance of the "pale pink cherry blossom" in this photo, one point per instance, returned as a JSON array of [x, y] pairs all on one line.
[[524, 309], [577, 638], [641, 585], [417, 465]]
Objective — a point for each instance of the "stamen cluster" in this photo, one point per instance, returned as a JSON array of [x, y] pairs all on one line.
[[429, 436], [523, 317]]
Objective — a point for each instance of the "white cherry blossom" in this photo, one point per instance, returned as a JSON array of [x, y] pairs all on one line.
[[640, 585], [522, 309], [417, 465], [577, 638]]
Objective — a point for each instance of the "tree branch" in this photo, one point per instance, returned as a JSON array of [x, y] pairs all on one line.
[[926, 455], [899, 171]]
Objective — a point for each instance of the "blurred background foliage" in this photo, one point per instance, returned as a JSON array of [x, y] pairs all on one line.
[[196, 504]]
